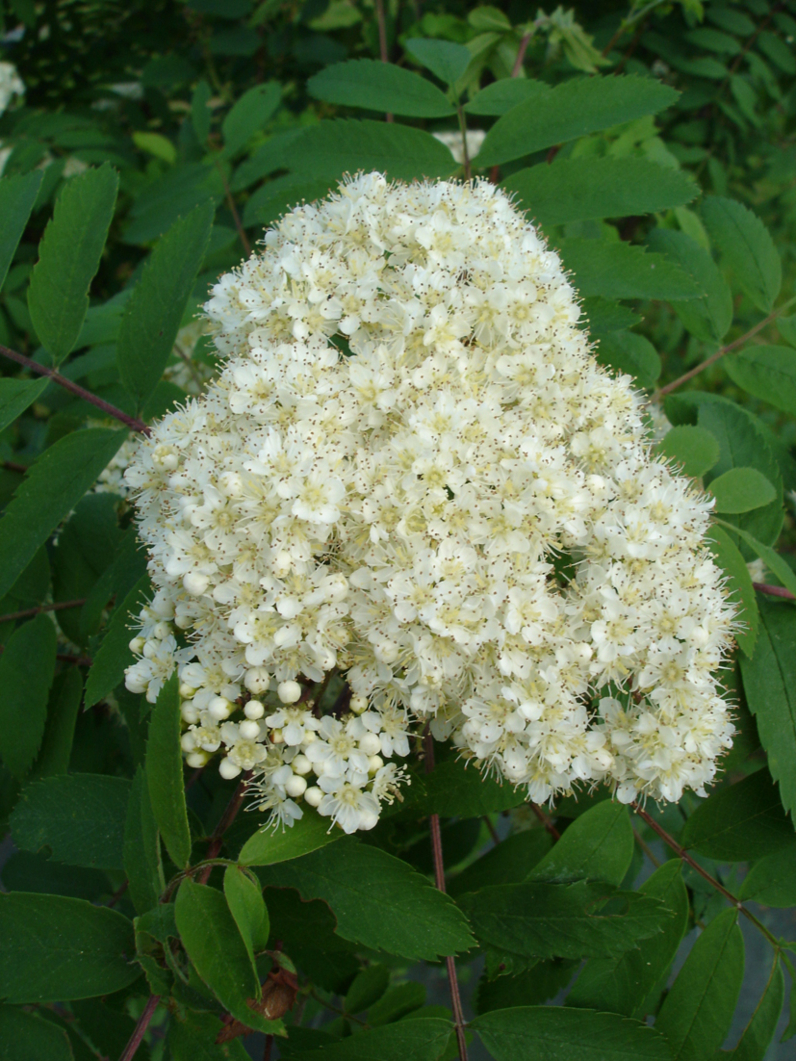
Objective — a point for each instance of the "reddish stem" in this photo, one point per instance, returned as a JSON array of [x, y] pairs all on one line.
[[140, 1029], [515, 70], [774, 591], [28, 612], [545, 820], [227, 818]]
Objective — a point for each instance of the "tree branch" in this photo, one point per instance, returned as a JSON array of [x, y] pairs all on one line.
[[774, 591], [28, 612], [140, 1029], [227, 818]]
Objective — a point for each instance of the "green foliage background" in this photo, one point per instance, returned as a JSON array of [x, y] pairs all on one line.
[[655, 148]]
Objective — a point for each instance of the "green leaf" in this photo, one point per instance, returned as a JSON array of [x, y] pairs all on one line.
[[769, 681], [69, 256], [24, 1035], [332, 148], [697, 1012], [54, 484], [694, 449], [771, 559], [508, 862], [114, 654], [17, 196], [759, 1032], [569, 190], [80, 817], [707, 318], [200, 112], [278, 196], [141, 847], [248, 115], [603, 316], [539, 983], [597, 846], [574, 108], [729, 559], [15, 397], [455, 790], [27, 666], [53, 949], [445, 60], [246, 904], [537, 919], [768, 373], [269, 845], [630, 353], [154, 312], [419, 1039], [368, 987], [746, 246], [621, 985], [62, 708], [501, 96], [214, 945], [786, 326], [378, 900], [194, 1039], [156, 144], [741, 490], [622, 270], [739, 822], [550, 1033], [772, 880], [377, 86], [164, 774]]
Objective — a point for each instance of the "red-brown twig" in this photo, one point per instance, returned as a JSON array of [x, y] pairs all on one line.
[[545, 820], [526, 37], [774, 591], [244, 239], [118, 894], [227, 818], [130, 421], [26, 613], [140, 1029], [490, 829]]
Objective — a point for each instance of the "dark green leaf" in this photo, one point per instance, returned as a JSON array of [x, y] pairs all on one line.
[[54, 484], [367, 988], [621, 270], [621, 985], [214, 945], [69, 256], [80, 817], [16, 395], [332, 148], [729, 559], [397, 1003], [772, 880], [421, 1039], [553, 1033], [307, 932], [17, 196], [739, 822], [768, 373], [378, 900], [697, 1013], [603, 316], [538, 984], [194, 1039], [693, 449], [630, 353], [62, 708], [27, 666], [200, 112], [141, 847], [455, 790], [597, 846], [53, 949], [508, 862], [446, 60], [786, 326], [164, 774], [501, 96], [26, 1036], [769, 681], [741, 490], [246, 904], [275, 197], [772, 560], [759, 1032], [248, 115], [153, 315], [709, 317], [746, 246], [568, 190], [268, 846], [377, 86], [574, 108], [114, 654]]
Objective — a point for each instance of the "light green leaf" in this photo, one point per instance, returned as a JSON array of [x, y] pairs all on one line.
[[501, 96], [622, 270], [155, 144], [769, 681], [547, 1033], [697, 1013], [378, 900], [154, 312], [767, 372], [772, 880], [746, 246], [62, 709], [332, 148], [574, 108], [740, 822], [377, 86], [597, 846], [707, 318], [268, 846], [16, 395], [741, 490], [418, 1039], [630, 353], [69, 256], [54, 484], [248, 115], [141, 847], [24, 1035], [115, 654], [759, 1032], [200, 112], [53, 949], [729, 559], [17, 196], [693, 449], [569, 190], [80, 817], [246, 904], [446, 60], [164, 774], [27, 665]]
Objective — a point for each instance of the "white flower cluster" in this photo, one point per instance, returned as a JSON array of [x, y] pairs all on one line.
[[11, 85], [413, 472]]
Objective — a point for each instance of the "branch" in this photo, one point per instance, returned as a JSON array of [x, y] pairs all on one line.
[[774, 591], [28, 612], [130, 421], [383, 52], [526, 37], [227, 818], [140, 1028], [244, 239]]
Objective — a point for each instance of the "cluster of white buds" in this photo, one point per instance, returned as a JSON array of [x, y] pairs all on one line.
[[411, 471]]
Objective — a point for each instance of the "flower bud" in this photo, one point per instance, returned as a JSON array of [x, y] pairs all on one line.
[[296, 786], [228, 769], [289, 692], [219, 708], [254, 709], [313, 796], [195, 583], [257, 680]]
